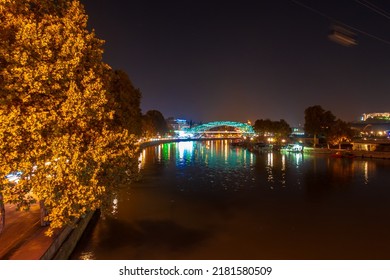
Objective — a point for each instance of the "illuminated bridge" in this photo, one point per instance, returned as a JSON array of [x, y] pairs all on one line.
[[237, 128]]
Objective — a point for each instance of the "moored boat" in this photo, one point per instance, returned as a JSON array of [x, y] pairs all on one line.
[[294, 148], [342, 154]]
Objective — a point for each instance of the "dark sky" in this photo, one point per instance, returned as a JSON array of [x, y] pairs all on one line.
[[248, 59]]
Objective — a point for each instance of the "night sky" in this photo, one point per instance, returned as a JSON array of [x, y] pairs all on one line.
[[246, 60]]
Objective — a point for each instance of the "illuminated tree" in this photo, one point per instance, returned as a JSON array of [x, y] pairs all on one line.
[[56, 121], [2, 213], [340, 132]]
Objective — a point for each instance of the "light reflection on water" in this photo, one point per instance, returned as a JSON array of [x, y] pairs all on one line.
[[208, 200]]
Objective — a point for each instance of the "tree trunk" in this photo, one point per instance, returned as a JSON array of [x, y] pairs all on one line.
[[315, 140], [43, 213], [2, 214], [339, 145]]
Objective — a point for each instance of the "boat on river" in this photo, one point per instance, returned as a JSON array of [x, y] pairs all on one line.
[[237, 143], [342, 154], [293, 148], [262, 147]]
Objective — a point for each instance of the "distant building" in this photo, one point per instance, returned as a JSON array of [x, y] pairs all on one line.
[[297, 131], [298, 135], [178, 124], [373, 125], [375, 116], [371, 146], [373, 133]]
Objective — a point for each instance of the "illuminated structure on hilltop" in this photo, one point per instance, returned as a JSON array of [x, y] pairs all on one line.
[[376, 116], [373, 125]]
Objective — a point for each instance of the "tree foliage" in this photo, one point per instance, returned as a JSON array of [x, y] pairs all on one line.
[[127, 100], [340, 132], [318, 121], [55, 116], [154, 123], [278, 129]]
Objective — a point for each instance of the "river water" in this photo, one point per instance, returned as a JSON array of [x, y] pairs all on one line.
[[208, 200]]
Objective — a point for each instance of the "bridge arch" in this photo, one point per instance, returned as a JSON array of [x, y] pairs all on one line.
[[243, 128]]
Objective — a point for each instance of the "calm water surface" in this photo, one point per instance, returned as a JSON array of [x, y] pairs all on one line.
[[207, 200]]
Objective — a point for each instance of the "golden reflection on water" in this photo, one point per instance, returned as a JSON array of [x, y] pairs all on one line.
[[348, 171], [141, 160], [270, 159], [366, 173], [114, 210], [270, 164], [87, 256], [283, 169]]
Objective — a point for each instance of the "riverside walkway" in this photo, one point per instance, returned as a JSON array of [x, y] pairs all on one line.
[[23, 238]]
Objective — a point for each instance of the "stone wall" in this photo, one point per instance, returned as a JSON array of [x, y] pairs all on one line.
[[64, 244]]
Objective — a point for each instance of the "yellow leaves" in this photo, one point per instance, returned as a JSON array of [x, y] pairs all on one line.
[[54, 116], [21, 57]]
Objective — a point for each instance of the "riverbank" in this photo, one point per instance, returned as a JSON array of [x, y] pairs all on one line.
[[358, 154], [24, 239], [323, 151]]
